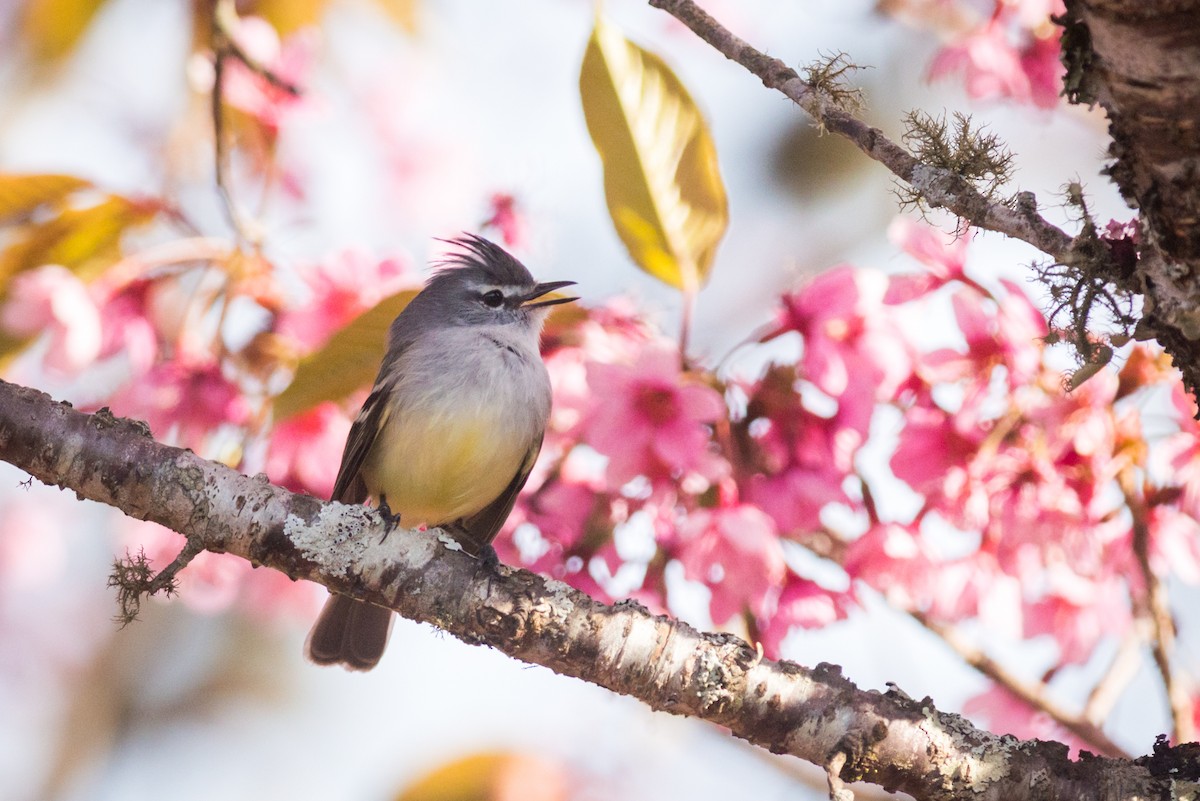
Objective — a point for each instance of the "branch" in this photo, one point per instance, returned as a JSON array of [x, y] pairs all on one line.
[[1158, 610], [813, 713], [1140, 59], [1030, 693], [940, 188], [1120, 672], [225, 46]]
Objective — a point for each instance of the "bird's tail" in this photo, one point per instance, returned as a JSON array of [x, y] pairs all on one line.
[[350, 633]]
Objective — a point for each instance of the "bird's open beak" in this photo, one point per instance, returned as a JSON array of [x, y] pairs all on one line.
[[541, 290]]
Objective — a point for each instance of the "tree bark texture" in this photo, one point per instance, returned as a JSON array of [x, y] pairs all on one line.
[[812, 713], [1140, 60]]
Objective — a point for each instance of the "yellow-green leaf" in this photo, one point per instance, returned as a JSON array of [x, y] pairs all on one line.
[[45, 228], [348, 361], [404, 12], [82, 239], [11, 347], [661, 181], [490, 775], [287, 16], [51, 28], [20, 195]]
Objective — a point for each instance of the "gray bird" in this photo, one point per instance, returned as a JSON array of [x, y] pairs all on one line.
[[453, 425]]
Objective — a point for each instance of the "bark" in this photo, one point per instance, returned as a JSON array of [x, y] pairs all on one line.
[[1140, 59], [812, 713]]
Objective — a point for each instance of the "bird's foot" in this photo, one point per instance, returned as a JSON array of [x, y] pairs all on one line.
[[390, 521]]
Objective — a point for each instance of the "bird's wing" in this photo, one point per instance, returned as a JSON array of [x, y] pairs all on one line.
[[349, 486], [481, 528]]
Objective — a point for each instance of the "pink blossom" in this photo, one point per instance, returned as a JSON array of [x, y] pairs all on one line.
[[991, 63], [53, 300], [895, 560], [1078, 612], [651, 420], [891, 558], [805, 604], [213, 583], [291, 61], [567, 367], [128, 333], [1007, 331], [508, 220], [932, 446], [183, 402], [1035, 15], [798, 460], [1175, 543], [942, 254], [564, 509], [340, 289], [795, 497], [735, 551], [614, 332], [996, 67], [1179, 457], [305, 450], [1040, 60], [999, 711], [853, 352]]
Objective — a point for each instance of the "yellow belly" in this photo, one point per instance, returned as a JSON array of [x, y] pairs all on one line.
[[443, 467]]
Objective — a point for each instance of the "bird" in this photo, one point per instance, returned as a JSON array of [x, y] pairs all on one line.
[[452, 426]]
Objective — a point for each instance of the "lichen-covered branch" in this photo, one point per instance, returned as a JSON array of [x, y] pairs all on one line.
[[813, 713], [938, 186], [1141, 62]]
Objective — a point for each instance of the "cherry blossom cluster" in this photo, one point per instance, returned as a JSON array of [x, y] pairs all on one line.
[[1003, 49], [1006, 499], [955, 479]]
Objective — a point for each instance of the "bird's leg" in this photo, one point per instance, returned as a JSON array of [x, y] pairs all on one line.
[[485, 553], [488, 559], [390, 521]]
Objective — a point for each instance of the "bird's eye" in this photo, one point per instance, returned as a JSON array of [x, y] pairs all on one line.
[[494, 298]]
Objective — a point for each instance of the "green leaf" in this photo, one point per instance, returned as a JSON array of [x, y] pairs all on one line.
[[661, 181], [348, 361]]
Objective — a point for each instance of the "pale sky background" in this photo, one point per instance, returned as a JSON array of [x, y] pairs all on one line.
[[202, 707]]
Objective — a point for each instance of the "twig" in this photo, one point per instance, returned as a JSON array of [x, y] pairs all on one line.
[[833, 773], [1158, 609], [685, 325], [225, 46], [134, 579], [225, 22], [938, 187], [1124, 666], [1033, 694]]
